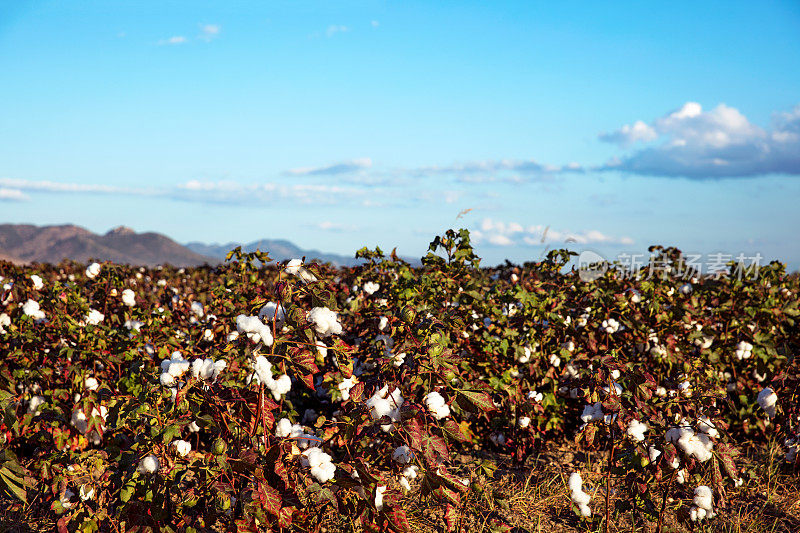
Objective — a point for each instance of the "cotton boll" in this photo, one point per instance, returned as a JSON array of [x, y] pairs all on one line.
[[31, 309], [5, 320], [405, 484], [129, 298], [91, 384], [283, 428], [193, 427], [371, 287], [256, 330], [86, 493], [436, 405], [526, 355], [768, 400], [182, 447], [653, 453], [524, 422], [93, 270], [680, 476], [148, 465], [35, 402], [295, 268], [535, 396], [345, 387], [402, 454], [379, 497], [686, 289], [592, 413], [703, 498], [273, 311], [744, 350], [94, 317], [636, 430], [555, 360], [578, 496], [383, 323], [326, 322], [610, 326], [38, 284], [703, 342]]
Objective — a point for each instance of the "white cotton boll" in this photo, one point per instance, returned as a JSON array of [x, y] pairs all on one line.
[[256, 330], [526, 355], [5, 320], [166, 379], [569, 346], [326, 322], [193, 427], [661, 391], [38, 284], [321, 348], [592, 413], [383, 323], [94, 317], [405, 484], [232, 336], [707, 426], [133, 325], [379, 497], [609, 326], [680, 476], [91, 384], [580, 498], [371, 287], [768, 400], [128, 297], [436, 404], [345, 387], [555, 360], [35, 402], [617, 389], [703, 342], [636, 430], [402, 454], [685, 388], [535, 396], [85, 493], [295, 268], [208, 335], [273, 311], [281, 386], [410, 472], [93, 270], [653, 453], [686, 289], [182, 447], [31, 309], [703, 498], [524, 422], [65, 499], [148, 465], [615, 374], [744, 350], [283, 428]]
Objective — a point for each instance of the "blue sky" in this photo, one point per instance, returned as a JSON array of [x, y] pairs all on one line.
[[342, 124]]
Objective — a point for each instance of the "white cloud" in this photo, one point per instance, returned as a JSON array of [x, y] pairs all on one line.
[[229, 192], [12, 195], [483, 168], [719, 143], [327, 225], [59, 187], [209, 32], [176, 39], [333, 29], [342, 167], [500, 233]]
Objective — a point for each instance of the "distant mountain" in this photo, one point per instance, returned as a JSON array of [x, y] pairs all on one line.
[[26, 243], [278, 249]]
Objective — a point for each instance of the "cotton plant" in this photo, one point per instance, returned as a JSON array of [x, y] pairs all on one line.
[[703, 504]]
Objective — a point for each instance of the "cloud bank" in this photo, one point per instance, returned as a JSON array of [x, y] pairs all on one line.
[[499, 233], [698, 144]]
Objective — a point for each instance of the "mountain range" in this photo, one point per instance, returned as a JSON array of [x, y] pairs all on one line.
[[26, 243]]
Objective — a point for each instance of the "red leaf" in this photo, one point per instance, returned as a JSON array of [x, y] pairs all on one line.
[[271, 498], [398, 519], [451, 517], [481, 400]]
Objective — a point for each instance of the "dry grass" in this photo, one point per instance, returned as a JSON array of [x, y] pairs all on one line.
[[536, 499]]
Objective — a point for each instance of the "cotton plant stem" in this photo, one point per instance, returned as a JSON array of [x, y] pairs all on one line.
[[664, 502]]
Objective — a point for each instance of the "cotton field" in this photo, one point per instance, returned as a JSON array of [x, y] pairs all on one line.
[[264, 396]]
